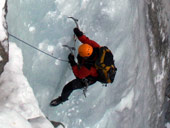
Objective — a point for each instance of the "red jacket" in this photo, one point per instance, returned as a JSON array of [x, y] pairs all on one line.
[[82, 71]]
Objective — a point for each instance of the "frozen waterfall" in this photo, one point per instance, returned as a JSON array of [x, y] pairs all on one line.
[[131, 101]]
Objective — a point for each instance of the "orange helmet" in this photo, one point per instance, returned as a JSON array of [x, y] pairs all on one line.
[[85, 50]]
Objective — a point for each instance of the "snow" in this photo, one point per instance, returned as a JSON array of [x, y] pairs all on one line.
[[152, 5], [17, 100], [2, 20], [131, 101], [9, 118], [167, 125], [15, 86], [32, 29], [1, 58], [126, 102], [40, 122]]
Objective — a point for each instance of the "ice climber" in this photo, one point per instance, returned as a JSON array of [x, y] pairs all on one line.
[[85, 70]]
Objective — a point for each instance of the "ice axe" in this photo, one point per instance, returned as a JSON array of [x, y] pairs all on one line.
[[75, 20], [70, 48]]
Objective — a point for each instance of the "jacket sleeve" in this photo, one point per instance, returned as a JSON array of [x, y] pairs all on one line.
[[86, 40], [83, 72]]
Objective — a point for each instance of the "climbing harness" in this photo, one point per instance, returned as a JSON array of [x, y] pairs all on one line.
[[37, 48]]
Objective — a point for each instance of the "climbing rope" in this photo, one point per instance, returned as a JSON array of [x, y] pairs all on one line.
[[74, 19], [36, 48]]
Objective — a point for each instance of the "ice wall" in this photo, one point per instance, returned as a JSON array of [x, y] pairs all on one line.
[[131, 101]]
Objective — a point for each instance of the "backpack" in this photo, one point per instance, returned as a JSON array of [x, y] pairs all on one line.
[[105, 65]]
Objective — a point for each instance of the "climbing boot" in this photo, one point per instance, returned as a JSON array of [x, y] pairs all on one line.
[[56, 101]]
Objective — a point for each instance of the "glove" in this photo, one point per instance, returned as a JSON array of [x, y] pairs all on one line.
[[77, 32], [71, 59]]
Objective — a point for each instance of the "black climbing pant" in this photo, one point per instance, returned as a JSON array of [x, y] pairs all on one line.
[[73, 85]]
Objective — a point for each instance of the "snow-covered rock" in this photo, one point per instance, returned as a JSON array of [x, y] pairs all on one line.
[[3, 35]]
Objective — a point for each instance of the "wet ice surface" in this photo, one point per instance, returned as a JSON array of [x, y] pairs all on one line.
[[131, 101]]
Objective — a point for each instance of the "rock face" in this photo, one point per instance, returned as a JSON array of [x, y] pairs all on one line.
[[4, 44], [158, 16]]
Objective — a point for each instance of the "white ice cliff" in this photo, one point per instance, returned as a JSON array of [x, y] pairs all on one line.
[[133, 29]]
